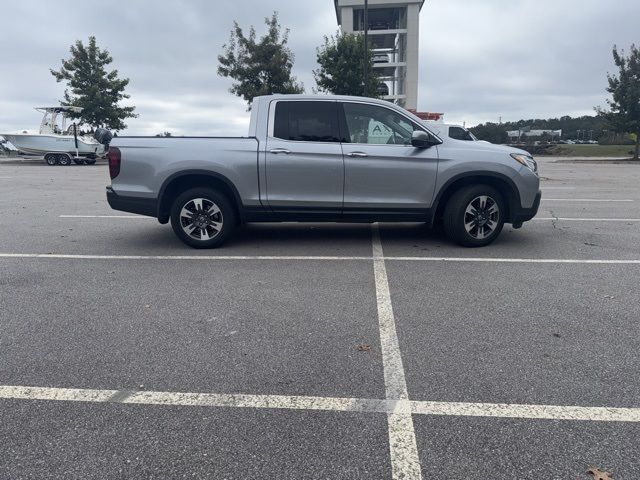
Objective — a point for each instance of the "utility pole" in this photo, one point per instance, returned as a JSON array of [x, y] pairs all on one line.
[[366, 48]]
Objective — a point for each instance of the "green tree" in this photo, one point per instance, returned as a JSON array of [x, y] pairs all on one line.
[[342, 64], [93, 88], [491, 132], [624, 107], [259, 67]]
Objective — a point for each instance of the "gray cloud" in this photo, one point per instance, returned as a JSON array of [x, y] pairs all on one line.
[[479, 59]]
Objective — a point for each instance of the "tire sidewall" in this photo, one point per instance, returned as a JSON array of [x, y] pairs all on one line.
[[455, 210], [223, 203]]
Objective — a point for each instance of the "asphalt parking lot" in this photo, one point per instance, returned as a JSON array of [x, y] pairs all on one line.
[[318, 351]]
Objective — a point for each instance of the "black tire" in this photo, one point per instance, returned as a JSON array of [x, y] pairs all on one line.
[[486, 224], [211, 201], [51, 159], [89, 161], [64, 160], [78, 161]]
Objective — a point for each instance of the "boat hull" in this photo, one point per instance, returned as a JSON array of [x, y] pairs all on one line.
[[41, 144]]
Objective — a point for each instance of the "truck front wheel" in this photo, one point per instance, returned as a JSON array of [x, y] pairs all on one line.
[[202, 218], [474, 216]]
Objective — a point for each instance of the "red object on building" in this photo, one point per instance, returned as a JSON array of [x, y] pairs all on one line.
[[428, 115]]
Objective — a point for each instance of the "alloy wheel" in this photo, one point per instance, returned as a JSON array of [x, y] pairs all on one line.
[[482, 217], [201, 219]]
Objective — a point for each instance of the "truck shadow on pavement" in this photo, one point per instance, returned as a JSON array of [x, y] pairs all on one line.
[[305, 238]]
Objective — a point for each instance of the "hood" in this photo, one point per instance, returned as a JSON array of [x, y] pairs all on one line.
[[491, 147]]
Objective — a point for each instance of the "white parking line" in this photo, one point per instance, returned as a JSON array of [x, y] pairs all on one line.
[[405, 461], [288, 402], [590, 200], [181, 257], [285, 402], [139, 217], [514, 260], [564, 219], [136, 217], [546, 412], [318, 258]]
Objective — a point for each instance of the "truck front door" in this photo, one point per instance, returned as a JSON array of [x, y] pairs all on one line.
[[383, 172], [304, 162]]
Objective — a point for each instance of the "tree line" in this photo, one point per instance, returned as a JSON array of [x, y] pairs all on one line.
[[264, 65], [588, 127]]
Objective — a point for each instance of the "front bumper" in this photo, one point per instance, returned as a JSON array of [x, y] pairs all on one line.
[[526, 214], [140, 206]]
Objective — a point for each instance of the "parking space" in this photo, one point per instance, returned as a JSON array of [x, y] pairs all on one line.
[[261, 328], [47, 440], [523, 333], [479, 448], [318, 351]]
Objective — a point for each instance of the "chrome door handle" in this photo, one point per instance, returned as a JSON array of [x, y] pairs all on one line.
[[357, 154], [277, 151]]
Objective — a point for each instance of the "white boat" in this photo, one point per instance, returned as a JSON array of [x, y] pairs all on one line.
[[57, 142], [6, 147]]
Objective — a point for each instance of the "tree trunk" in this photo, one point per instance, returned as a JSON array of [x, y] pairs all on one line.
[[637, 154]]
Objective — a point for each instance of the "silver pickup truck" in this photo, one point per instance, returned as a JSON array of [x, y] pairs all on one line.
[[324, 158]]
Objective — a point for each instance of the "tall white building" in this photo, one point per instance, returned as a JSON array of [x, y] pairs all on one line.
[[394, 32]]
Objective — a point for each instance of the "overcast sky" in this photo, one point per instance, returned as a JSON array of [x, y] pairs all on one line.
[[479, 59]]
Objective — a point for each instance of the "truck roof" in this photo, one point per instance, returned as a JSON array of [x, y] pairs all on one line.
[[324, 97]]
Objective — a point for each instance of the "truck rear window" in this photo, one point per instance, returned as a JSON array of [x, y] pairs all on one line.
[[306, 121]]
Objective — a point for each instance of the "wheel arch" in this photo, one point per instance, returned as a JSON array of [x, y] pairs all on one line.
[[185, 180], [502, 183]]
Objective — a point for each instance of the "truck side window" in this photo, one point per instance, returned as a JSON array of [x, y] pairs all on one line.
[[377, 125], [459, 133], [306, 121]]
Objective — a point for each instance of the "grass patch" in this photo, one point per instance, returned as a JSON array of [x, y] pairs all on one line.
[[619, 151]]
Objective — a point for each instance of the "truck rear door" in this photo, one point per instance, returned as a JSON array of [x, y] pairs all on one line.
[[304, 162]]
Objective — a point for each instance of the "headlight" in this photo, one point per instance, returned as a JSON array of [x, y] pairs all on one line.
[[526, 160]]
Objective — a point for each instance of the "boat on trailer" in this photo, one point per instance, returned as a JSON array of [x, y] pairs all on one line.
[[58, 143]]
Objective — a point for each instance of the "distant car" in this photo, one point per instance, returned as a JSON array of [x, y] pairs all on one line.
[[380, 58], [383, 89]]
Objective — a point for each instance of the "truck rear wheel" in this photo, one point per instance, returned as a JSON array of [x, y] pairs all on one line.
[[474, 216], [202, 218]]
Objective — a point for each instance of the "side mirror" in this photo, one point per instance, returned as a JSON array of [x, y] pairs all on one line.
[[421, 139]]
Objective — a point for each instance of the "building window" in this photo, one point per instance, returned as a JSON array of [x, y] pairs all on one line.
[[381, 19]]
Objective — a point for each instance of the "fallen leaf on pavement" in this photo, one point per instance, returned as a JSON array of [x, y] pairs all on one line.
[[364, 348], [598, 474]]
